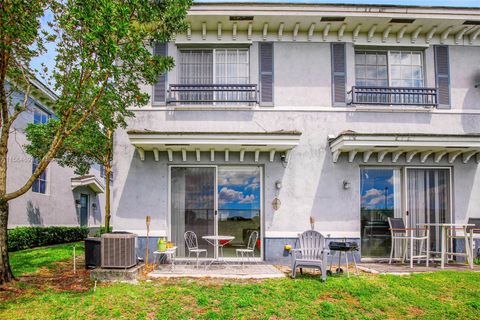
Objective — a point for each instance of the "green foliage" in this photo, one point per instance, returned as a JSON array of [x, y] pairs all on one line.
[[29, 237], [101, 231], [31, 260]]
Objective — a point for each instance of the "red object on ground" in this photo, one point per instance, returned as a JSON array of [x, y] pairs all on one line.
[[258, 243]]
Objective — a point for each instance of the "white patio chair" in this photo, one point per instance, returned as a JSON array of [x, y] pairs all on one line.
[[474, 231], [408, 238], [312, 253], [192, 245], [250, 249]]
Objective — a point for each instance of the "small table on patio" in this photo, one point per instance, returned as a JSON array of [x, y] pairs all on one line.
[[215, 241], [172, 252], [444, 238]]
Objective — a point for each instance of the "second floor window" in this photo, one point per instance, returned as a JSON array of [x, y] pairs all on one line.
[[39, 185], [389, 68], [40, 116], [214, 66]]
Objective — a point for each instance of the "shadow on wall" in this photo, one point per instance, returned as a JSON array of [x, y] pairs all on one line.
[[33, 214], [472, 102], [97, 213]]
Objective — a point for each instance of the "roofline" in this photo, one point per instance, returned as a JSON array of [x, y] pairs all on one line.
[[326, 4], [179, 133]]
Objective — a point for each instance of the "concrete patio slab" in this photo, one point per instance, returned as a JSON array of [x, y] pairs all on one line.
[[399, 268], [252, 271]]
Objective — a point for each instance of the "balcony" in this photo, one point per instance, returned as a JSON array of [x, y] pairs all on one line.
[[213, 94], [394, 96]]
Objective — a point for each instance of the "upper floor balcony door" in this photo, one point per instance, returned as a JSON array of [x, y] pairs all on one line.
[[391, 77], [219, 76]]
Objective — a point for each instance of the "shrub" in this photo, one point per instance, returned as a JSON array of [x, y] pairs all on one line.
[[22, 238], [101, 231]]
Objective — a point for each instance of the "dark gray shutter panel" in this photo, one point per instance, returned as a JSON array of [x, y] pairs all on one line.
[[266, 72], [159, 89], [442, 76], [339, 74]]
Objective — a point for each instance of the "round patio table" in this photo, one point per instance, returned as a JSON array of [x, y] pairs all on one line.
[[218, 242]]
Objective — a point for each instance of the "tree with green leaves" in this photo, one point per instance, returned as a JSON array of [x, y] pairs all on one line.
[[103, 57]]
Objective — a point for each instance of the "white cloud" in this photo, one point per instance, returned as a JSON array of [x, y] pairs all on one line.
[[227, 195], [248, 199]]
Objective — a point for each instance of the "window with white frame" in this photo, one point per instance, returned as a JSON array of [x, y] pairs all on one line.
[[40, 184], [391, 68], [214, 66], [40, 116]]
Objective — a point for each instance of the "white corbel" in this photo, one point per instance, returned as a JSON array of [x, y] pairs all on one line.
[[141, 153], [257, 155], [335, 156], [249, 31], [351, 155], [326, 30], [424, 156], [416, 33], [295, 31], [280, 31], [242, 155], [310, 31], [477, 158], [156, 154], [438, 156], [468, 155], [170, 155], [409, 156], [356, 32], [386, 33], [265, 31], [234, 31], [381, 155], [227, 153], [197, 153], [371, 32], [453, 155], [430, 34], [184, 155], [474, 35], [189, 32], [401, 33], [459, 35], [366, 155], [204, 30], [396, 155], [341, 31], [219, 31], [212, 155], [445, 34], [272, 155]]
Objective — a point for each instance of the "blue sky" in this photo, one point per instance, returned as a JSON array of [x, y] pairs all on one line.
[[448, 3]]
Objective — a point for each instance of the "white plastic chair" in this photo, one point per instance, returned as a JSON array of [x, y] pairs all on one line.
[[245, 253], [312, 253], [192, 245]]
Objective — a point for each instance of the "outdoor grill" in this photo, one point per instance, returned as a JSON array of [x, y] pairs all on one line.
[[345, 247]]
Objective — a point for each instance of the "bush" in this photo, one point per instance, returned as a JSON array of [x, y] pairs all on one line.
[[22, 238]]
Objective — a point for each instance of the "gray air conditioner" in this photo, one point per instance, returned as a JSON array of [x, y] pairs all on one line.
[[118, 250]]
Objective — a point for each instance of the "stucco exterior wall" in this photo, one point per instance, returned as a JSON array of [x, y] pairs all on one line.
[[57, 206], [312, 183]]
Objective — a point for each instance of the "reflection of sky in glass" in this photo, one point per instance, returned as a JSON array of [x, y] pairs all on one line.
[[238, 188], [377, 189]]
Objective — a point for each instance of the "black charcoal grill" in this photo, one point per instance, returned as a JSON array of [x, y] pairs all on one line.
[[346, 247]]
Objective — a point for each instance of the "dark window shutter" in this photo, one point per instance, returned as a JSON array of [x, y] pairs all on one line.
[[442, 76], [339, 74], [266, 72], [159, 89]]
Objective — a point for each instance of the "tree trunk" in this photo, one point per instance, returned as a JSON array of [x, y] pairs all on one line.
[[6, 274], [108, 169]]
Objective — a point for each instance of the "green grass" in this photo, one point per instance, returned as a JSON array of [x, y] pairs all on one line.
[[439, 295], [31, 260]]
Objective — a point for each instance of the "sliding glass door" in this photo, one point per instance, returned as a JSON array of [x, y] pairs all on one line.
[[428, 199], [192, 205], [215, 200], [380, 199]]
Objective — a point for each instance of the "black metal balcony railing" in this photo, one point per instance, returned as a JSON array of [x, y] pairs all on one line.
[[216, 94], [405, 96]]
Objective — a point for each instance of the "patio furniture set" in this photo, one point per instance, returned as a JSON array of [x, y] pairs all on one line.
[[218, 242], [406, 239]]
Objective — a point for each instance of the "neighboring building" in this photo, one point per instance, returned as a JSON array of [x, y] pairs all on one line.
[[58, 197], [276, 113]]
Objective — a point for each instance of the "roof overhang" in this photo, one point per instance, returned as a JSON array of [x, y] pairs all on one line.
[[271, 142], [437, 146], [88, 181]]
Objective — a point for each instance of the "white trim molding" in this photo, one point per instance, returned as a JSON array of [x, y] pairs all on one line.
[[211, 142], [435, 146], [88, 181]]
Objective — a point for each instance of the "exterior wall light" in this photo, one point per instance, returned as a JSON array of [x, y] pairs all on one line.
[[278, 184], [346, 184], [77, 204], [94, 206]]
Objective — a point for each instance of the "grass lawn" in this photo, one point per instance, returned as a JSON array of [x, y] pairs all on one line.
[[60, 295]]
